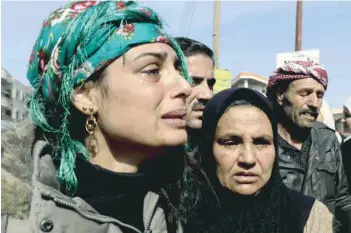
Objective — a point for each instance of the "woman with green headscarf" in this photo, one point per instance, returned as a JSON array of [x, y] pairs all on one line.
[[109, 89]]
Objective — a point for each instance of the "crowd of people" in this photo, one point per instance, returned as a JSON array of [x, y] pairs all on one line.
[[131, 138]]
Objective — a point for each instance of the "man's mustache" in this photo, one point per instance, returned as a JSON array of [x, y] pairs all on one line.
[[314, 113], [198, 106]]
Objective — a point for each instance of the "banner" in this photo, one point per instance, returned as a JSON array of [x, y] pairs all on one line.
[[223, 78]]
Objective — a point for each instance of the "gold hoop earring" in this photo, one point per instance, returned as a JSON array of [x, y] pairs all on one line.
[[90, 126]]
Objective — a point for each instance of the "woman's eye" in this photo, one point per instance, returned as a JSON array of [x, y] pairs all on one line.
[[261, 142], [151, 72], [230, 142]]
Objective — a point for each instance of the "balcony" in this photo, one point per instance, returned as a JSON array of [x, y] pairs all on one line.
[[6, 101]]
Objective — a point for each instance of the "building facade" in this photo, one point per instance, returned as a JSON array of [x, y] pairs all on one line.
[[338, 118], [250, 80], [14, 97]]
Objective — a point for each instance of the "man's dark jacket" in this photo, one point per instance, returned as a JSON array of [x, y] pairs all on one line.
[[346, 155], [325, 177]]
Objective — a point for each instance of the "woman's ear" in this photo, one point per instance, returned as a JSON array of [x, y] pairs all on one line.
[[84, 98]]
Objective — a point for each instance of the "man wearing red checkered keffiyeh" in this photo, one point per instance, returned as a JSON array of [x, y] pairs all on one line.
[[309, 156]]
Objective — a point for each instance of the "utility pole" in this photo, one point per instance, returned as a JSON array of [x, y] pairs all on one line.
[[216, 31], [298, 39]]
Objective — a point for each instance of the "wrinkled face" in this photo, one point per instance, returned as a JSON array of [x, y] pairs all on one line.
[[244, 150], [201, 69], [145, 102], [302, 101]]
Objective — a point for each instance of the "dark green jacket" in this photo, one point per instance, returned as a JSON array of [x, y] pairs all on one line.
[[52, 211]]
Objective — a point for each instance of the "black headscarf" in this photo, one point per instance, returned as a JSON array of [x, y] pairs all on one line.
[[270, 210]]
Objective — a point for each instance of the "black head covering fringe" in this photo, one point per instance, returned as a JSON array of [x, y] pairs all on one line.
[[270, 211]]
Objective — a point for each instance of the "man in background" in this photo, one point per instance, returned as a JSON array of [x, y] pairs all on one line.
[[201, 69], [309, 155]]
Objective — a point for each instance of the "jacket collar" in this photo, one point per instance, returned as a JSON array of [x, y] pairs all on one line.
[[46, 182], [347, 139]]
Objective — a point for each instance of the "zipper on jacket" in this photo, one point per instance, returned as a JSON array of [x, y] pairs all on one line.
[[310, 160], [93, 217], [147, 229]]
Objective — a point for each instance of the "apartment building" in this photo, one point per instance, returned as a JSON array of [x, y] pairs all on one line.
[[14, 96], [250, 80]]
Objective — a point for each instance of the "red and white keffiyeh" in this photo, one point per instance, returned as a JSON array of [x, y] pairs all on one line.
[[298, 70]]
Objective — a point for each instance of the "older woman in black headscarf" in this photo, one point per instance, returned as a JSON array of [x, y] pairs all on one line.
[[238, 154]]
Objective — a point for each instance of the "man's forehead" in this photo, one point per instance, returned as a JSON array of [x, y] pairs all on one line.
[[201, 72], [306, 83], [200, 61]]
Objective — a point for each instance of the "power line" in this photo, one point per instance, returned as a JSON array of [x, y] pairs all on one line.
[[186, 17], [191, 17], [180, 22]]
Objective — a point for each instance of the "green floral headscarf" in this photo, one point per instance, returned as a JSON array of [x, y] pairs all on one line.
[[75, 42]]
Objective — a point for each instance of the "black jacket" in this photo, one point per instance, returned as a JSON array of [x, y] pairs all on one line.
[[325, 177], [346, 155]]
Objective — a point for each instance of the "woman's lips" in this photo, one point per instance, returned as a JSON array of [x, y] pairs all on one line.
[[175, 118], [246, 177]]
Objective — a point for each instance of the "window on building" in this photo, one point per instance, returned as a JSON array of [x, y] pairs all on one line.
[[8, 113], [7, 93]]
